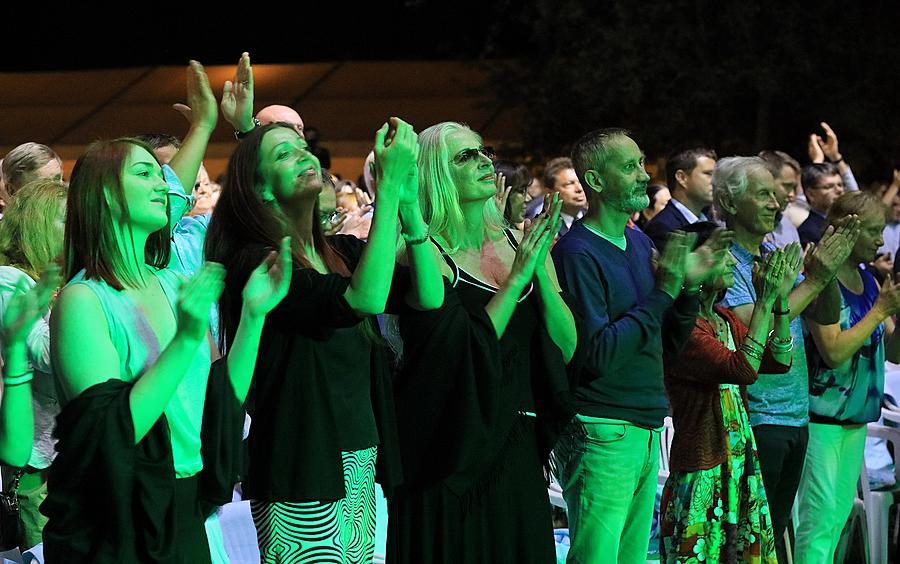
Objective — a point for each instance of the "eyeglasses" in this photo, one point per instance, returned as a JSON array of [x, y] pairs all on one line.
[[467, 155]]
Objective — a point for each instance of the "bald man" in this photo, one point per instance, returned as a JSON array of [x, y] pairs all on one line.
[[271, 114]]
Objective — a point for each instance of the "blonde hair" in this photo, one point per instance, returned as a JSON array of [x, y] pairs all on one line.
[[29, 237], [438, 195]]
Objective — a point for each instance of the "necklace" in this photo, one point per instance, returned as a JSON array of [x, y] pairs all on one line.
[[720, 326]]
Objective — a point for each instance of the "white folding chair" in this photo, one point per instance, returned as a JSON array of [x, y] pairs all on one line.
[[878, 503], [665, 449]]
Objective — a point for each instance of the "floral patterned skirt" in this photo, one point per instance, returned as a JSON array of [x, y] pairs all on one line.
[[720, 514]]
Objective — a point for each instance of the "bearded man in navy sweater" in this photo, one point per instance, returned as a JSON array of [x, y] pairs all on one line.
[[635, 307]]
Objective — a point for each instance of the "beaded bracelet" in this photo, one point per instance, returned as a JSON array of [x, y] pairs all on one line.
[[16, 380], [781, 346], [418, 240]]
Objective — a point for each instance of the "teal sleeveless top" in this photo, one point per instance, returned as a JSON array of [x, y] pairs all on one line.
[[139, 347]]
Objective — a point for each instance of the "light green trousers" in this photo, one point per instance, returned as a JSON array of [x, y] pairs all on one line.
[[609, 477], [827, 488]]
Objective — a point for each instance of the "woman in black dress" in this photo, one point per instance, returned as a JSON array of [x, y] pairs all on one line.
[[321, 401], [483, 384]]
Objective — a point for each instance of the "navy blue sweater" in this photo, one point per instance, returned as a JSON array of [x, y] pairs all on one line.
[[628, 321]]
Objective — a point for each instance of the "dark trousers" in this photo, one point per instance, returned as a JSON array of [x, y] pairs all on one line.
[[782, 451]]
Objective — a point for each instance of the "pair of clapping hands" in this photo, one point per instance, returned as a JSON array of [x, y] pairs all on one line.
[[680, 266]]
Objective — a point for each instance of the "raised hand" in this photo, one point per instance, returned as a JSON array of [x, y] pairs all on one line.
[[269, 282], [823, 260], [409, 193], [888, 300], [333, 226], [237, 96], [672, 264], [701, 263], [502, 194], [196, 297], [200, 110], [552, 209], [814, 149], [883, 263], [769, 278], [357, 223], [793, 262], [396, 147], [829, 145], [26, 306], [532, 253]]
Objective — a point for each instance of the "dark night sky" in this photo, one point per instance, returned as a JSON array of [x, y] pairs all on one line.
[[394, 30]]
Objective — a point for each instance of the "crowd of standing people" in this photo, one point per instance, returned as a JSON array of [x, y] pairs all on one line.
[[452, 328]]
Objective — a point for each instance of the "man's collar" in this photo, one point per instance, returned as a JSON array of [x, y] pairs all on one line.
[[688, 214]]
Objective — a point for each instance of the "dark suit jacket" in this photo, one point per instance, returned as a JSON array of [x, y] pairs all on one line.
[[665, 222], [812, 228]]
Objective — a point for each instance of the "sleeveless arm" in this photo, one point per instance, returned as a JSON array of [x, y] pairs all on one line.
[[84, 355]]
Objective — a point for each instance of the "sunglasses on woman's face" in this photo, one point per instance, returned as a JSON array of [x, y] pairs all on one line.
[[467, 155]]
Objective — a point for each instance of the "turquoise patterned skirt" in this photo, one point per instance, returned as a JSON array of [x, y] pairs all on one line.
[[720, 514]]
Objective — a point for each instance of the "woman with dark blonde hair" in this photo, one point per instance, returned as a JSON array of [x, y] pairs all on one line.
[[31, 238], [483, 387]]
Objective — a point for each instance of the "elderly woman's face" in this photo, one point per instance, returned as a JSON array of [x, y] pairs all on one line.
[[470, 167]]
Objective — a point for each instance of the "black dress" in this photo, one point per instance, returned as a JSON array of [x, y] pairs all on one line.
[[472, 448], [111, 500]]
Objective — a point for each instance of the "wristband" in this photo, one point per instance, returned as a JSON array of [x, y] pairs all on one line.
[[241, 134], [16, 380], [838, 160], [418, 240]]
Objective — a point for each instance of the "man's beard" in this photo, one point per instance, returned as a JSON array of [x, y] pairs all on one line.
[[634, 202]]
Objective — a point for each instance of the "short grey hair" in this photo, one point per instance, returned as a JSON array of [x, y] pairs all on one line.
[[592, 151], [731, 178], [24, 160]]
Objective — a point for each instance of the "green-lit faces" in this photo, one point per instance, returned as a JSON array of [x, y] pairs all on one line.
[[722, 275], [470, 166], [145, 191], [755, 209], [472, 153], [871, 229], [515, 205], [288, 170], [624, 180]]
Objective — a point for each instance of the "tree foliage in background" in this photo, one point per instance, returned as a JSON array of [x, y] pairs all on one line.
[[738, 76]]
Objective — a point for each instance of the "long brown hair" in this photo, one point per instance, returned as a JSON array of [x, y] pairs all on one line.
[[29, 236], [91, 238], [244, 228]]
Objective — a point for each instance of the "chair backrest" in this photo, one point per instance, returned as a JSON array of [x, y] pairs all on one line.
[[665, 444], [889, 434]]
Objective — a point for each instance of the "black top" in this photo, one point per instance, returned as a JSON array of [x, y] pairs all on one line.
[[664, 223], [460, 389], [812, 228], [320, 387], [111, 501], [629, 323]]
